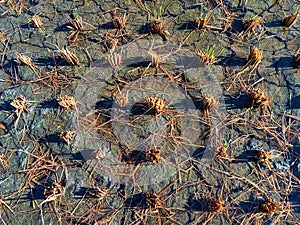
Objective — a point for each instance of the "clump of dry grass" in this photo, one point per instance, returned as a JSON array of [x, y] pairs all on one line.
[[201, 22], [258, 98], [37, 21], [67, 136], [21, 105], [290, 20], [26, 60], [269, 206], [77, 28], [70, 57], [67, 102], [4, 161]]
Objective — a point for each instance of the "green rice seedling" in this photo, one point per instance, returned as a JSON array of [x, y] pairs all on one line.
[[157, 26], [208, 56]]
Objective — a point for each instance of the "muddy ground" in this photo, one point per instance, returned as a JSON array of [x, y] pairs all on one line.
[[129, 160]]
